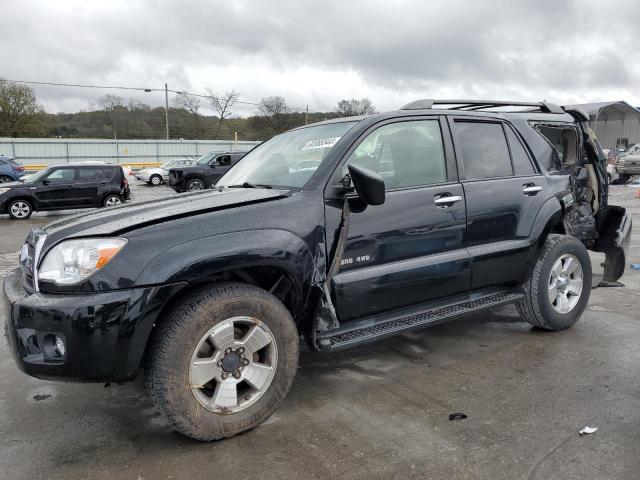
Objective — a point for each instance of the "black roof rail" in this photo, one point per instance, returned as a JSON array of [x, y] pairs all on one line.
[[426, 104]]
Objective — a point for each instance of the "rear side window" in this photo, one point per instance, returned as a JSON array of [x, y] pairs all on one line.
[[484, 151], [95, 174], [521, 161]]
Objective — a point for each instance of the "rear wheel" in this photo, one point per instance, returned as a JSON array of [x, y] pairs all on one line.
[[195, 184], [5, 179], [235, 348], [559, 286], [155, 180], [112, 201], [20, 209]]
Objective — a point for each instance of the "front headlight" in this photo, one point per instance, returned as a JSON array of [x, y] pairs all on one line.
[[72, 261]]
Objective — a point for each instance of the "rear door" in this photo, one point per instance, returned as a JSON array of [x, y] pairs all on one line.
[[504, 193], [411, 249], [89, 182], [55, 189]]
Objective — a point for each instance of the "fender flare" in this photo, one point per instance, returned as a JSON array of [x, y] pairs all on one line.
[[549, 215], [203, 259]]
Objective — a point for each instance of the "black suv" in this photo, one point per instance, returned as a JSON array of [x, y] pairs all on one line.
[[64, 187], [204, 173], [411, 218]]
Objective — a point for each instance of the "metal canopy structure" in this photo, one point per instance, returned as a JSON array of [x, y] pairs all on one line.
[[614, 122]]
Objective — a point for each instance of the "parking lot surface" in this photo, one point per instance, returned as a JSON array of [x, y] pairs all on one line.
[[380, 411]]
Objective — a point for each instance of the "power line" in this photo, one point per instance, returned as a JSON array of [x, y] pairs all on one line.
[[139, 89]]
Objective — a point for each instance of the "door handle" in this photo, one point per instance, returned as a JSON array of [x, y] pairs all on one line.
[[531, 189], [446, 200]]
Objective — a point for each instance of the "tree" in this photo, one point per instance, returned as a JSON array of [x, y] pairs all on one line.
[[222, 106], [192, 105], [20, 113], [112, 104], [275, 115], [353, 107]]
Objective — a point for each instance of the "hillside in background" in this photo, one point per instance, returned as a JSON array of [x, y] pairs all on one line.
[[145, 122]]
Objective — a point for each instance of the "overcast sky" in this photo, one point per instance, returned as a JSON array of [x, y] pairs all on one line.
[[315, 53]]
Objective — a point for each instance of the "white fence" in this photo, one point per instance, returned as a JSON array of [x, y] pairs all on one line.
[[56, 151]]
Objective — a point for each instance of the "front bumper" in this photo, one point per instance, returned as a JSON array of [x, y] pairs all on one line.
[[105, 333]]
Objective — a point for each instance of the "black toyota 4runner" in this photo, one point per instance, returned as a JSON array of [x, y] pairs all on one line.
[[410, 218], [204, 173]]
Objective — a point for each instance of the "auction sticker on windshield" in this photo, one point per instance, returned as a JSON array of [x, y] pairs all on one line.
[[321, 143]]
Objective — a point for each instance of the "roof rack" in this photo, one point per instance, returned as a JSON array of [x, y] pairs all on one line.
[[468, 105]]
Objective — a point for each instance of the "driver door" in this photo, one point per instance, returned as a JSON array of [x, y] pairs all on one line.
[[55, 190], [412, 248]]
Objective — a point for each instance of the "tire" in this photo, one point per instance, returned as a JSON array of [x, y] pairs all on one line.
[[155, 180], [112, 200], [560, 254], [20, 209], [195, 185], [178, 343], [5, 179]]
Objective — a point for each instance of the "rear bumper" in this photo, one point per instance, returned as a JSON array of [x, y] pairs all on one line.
[[104, 334], [614, 227], [143, 177]]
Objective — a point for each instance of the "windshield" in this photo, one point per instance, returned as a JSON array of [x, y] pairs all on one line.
[[204, 159], [278, 162]]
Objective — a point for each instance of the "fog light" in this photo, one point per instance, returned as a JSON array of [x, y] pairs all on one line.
[[60, 347]]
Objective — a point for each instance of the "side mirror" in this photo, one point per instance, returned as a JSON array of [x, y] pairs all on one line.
[[368, 184], [45, 182]]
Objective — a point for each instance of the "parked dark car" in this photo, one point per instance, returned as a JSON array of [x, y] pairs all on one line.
[[204, 173], [213, 291], [10, 170], [64, 187]]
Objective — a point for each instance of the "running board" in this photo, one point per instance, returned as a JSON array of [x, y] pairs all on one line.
[[394, 323]]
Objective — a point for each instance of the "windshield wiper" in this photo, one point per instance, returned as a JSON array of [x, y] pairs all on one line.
[[250, 185]]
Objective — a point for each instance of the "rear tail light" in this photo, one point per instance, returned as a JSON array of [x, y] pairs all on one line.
[[19, 168], [125, 182]]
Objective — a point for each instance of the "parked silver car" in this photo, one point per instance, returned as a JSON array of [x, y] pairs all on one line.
[[159, 175]]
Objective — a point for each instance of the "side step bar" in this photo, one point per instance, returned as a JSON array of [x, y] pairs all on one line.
[[394, 323]]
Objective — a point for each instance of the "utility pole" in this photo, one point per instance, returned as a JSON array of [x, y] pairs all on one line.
[[166, 109], [306, 116]]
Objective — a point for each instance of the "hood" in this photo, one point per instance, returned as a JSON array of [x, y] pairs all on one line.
[[12, 184], [118, 220]]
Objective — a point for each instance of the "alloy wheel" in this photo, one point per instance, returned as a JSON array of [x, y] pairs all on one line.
[[112, 201], [20, 209], [565, 283], [196, 185], [233, 365]]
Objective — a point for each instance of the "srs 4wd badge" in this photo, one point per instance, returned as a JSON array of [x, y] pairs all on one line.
[[358, 259]]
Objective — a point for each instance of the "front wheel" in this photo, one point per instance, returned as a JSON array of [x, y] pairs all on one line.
[[235, 348], [20, 209], [195, 185], [559, 285], [155, 180]]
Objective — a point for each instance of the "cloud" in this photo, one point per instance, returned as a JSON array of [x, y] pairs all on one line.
[[315, 53]]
